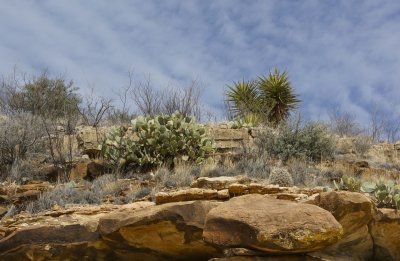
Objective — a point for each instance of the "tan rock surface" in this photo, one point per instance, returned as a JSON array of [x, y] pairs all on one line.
[[219, 183], [385, 231], [271, 225], [173, 229], [354, 212], [186, 195], [34, 235]]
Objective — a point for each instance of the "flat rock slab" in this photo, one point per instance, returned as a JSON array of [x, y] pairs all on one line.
[[219, 183], [271, 225], [187, 195]]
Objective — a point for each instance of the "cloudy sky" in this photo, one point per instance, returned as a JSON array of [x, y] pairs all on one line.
[[337, 53]]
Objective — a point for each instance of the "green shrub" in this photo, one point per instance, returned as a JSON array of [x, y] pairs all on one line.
[[310, 142], [281, 177], [157, 140]]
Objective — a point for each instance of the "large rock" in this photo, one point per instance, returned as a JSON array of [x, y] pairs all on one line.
[[354, 211], [173, 230], [271, 225], [56, 235], [87, 169], [385, 231]]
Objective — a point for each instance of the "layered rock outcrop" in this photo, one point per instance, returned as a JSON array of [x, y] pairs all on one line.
[[330, 226]]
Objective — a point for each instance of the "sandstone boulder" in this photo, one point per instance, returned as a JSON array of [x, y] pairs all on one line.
[[385, 231], [87, 169], [173, 230], [354, 211], [55, 235], [271, 225]]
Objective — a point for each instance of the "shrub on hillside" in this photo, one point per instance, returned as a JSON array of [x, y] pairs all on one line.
[[309, 142], [41, 96], [362, 144], [157, 140]]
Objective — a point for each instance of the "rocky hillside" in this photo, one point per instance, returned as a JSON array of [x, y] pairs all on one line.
[[238, 207], [221, 218]]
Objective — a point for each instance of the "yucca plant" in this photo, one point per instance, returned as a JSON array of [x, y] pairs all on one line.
[[269, 98], [277, 95], [243, 99]]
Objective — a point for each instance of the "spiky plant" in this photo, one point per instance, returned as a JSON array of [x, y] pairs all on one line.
[[269, 99], [243, 98], [277, 94]]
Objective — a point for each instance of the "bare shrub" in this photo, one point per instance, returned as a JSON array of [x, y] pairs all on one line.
[[146, 98], [138, 193], [94, 109], [151, 101], [18, 134], [362, 144], [344, 124], [303, 174], [104, 187], [184, 100], [182, 176], [255, 167]]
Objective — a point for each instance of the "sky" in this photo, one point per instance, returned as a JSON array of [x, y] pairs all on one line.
[[338, 54]]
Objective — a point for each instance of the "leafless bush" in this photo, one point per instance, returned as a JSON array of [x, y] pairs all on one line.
[[94, 109], [257, 167], [181, 176], [147, 98], [391, 129], [151, 101], [123, 114], [186, 101], [362, 144], [344, 124], [18, 134]]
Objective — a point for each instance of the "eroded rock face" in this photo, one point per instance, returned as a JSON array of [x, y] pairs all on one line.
[[385, 231], [354, 212], [173, 230], [271, 225]]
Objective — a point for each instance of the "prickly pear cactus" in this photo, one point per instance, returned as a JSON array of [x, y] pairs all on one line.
[[160, 140]]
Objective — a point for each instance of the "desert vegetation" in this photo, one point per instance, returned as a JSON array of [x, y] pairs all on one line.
[[62, 152], [166, 143]]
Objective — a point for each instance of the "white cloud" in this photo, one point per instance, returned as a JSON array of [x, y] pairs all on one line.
[[342, 53]]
